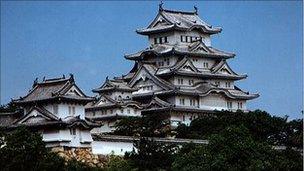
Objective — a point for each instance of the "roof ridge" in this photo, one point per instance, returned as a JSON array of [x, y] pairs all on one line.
[[178, 11]]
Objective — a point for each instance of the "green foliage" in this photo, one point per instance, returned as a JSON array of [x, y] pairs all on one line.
[[151, 155], [129, 126], [24, 150], [262, 127], [117, 163], [150, 125], [235, 149], [10, 107], [74, 165]]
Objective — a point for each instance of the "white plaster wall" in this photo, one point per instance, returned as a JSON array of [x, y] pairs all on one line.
[[205, 38], [222, 83], [177, 118], [85, 136], [213, 102], [63, 110], [199, 63], [49, 136], [123, 95], [170, 37], [66, 139], [106, 147], [147, 82], [174, 80], [174, 37], [187, 101]]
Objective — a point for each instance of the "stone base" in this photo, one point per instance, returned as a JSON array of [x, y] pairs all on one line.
[[84, 155]]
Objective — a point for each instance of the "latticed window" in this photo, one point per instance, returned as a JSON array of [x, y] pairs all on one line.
[[240, 105], [182, 101], [229, 105], [180, 81]]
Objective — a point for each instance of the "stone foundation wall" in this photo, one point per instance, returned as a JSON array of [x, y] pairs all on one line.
[[84, 155]]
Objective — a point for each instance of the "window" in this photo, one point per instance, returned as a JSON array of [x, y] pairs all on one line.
[[55, 109], [73, 131], [194, 60], [190, 39], [183, 38], [93, 113], [240, 105], [229, 105], [183, 117], [161, 63], [166, 39], [192, 102], [121, 110], [128, 110], [218, 83], [187, 38], [72, 110], [168, 61], [205, 64], [227, 84], [160, 40], [191, 82], [180, 81], [111, 111], [182, 101], [119, 97]]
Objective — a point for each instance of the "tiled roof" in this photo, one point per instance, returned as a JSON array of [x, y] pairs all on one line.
[[52, 120], [151, 71], [53, 89], [174, 70], [116, 84], [167, 49], [177, 20]]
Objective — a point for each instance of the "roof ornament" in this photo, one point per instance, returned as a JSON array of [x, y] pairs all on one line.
[[161, 6], [43, 78], [35, 82], [71, 77], [107, 78], [195, 9], [63, 76]]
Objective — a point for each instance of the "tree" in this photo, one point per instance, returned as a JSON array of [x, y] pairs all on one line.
[[117, 163], [261, 125], [151, 155], [235, 149], [149, 125], [10, 107], [129, 126], [24, 150]]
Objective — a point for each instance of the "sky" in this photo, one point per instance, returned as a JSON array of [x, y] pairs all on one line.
[[89, 39]]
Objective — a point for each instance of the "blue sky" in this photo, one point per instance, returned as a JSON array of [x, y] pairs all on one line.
[[89, 39]]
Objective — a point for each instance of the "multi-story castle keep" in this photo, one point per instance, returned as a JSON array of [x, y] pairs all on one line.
[[180, 73]]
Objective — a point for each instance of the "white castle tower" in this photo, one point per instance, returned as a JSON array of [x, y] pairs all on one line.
[[180, 73]]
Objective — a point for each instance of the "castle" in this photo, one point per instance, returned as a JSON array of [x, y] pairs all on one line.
[[179, 74]]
